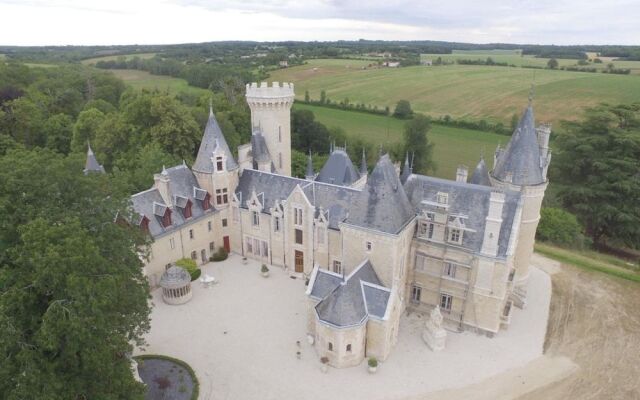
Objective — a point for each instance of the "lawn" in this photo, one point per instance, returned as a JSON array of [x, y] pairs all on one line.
[[453, 146], [144, 80], [463, 91], [91, 61]]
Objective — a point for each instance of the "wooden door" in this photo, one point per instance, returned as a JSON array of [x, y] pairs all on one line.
[[227, 246], [299, 261]]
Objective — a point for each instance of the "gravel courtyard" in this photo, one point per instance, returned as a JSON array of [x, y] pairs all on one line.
[[240, 338]]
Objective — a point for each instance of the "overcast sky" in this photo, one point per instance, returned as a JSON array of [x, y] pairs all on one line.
[[88, 22]]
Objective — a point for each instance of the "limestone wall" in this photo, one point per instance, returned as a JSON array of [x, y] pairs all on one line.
[[332, 343]]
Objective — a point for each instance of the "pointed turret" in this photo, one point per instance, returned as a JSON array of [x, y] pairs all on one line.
[[383, 204], [310, 175], [212, 140], [406, 170], [338, 170], [363, 164], [481, 174], [519, 163], [92, 164]]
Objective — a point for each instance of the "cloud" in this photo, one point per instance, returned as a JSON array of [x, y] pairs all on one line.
[[179, 21]]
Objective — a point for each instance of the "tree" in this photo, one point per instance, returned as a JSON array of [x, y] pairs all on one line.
[[403, 110], [514, 122], [560, 227], [136, 168], [597, 165], [552, 63], [307, 133], [73, 298], [58, 130], [416, 143], [85, 128], [323, 97], [306, 96]]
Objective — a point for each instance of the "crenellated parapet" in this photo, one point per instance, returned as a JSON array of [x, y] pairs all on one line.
[[275, 95]]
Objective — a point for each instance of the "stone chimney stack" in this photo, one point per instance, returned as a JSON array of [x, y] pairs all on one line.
[[462, 173], [493, 224], [163, 184]]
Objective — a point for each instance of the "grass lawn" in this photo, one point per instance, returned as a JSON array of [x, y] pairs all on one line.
[[90, 61], [462, 91], [592, 261], [453, 146], [144, 80]]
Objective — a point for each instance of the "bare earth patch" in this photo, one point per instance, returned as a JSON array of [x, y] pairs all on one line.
[[240, 338]]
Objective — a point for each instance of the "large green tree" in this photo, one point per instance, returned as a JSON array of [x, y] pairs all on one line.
[[73, 300], [417, 144], [598, 165]]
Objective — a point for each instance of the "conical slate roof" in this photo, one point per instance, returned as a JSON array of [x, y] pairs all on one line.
[[211, 139], [338, 169], [481, 174], [383, 204], [92, 164], [363, 164], [519, 163]]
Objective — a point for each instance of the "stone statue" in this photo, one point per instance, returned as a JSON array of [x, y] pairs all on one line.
[[434, 334]]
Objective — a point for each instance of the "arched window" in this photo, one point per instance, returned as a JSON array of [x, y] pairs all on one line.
[[330, 346]]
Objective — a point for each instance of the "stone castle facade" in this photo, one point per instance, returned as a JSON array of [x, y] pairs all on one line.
[[370, 245]]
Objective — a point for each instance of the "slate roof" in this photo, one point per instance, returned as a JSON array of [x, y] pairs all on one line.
[[338, 169], [324, 284], [406, 170], [182, 183], [521, 157], [350, 302], [337, 200], [212, 139], [92, 164], [259, 149], [383, 204], [481, 174], [465, 199]]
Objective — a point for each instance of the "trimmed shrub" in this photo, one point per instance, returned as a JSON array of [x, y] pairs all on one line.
[[220, 255], [196, 274], [190, 265], [264, 268], [373, 362], [559, 227]]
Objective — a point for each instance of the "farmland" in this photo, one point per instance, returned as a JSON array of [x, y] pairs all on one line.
[[92, 61], [462, 91], [144, 80], [453, 146]]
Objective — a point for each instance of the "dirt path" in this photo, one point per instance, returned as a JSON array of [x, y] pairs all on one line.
[[595, 321]]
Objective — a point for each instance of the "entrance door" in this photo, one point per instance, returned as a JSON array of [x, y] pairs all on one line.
[[299, 261], [227, 246]]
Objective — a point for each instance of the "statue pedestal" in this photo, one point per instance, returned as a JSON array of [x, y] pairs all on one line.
[[434, 334]]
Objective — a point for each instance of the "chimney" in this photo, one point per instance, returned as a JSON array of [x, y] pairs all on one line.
[[493, 224], [163, 184], [461, 173]]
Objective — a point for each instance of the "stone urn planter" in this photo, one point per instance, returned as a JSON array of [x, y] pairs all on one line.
[[372, 363], [325, 365], [264, 271]]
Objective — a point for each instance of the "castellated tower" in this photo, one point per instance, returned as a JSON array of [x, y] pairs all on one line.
[[271, 117]]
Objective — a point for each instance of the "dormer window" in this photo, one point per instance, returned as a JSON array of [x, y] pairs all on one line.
[[443, 198], [206, 202], [187, 209], [219, 164], [166, 218], [455, 235], [144, 224]]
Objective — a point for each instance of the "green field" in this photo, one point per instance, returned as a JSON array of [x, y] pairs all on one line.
[[453, 146], [463, 91], [144, 80], [91, 61]]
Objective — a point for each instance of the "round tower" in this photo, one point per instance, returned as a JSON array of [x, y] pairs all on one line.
[[271, 116]]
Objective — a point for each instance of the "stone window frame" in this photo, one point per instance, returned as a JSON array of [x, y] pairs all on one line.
[[209, 226], [298, 234], [191, 234], [446, 302], [219, 163], [368, 246], [336, 266], [455, 235], [172, 243], [416, 293], [449, 269], [225, 223]]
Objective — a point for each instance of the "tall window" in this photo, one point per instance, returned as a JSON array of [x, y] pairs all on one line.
[[454, 235], [255, 218], [297, 216], [349, 348], [330, 346], [222, 196], [337, 266], [172, 243], [416, 293], [191, 236], [298, 236], [280, 134], [276, 224], [445, 301], [368, 246], [219, 164], [212, 247], [209, 226], [224, 222], [449, 270]]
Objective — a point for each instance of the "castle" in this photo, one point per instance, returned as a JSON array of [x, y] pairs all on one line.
[[371, 245]]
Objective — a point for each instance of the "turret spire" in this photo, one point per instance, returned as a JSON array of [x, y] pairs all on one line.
[[310, 175], [363, 164], [92, 164]]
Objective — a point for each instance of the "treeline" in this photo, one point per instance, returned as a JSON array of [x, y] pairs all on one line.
[[134, 133], [488, 61]]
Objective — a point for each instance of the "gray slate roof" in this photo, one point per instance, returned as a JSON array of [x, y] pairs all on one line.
[[406, 170], [465, 199], [259, 149], [347, 304], [211, 139], [338, 169], [324, 284], [521, 157], [92, 164], [149, 203], [383, 204], [481, 174], [337, 200]]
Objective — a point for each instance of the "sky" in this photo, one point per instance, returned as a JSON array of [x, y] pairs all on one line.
[[113, 22]]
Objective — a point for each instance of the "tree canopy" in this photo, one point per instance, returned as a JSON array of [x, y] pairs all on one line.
[[417, 144], [598, 166], [403, 110]]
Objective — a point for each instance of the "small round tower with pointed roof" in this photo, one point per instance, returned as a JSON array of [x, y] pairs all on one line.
[[271, 116]]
